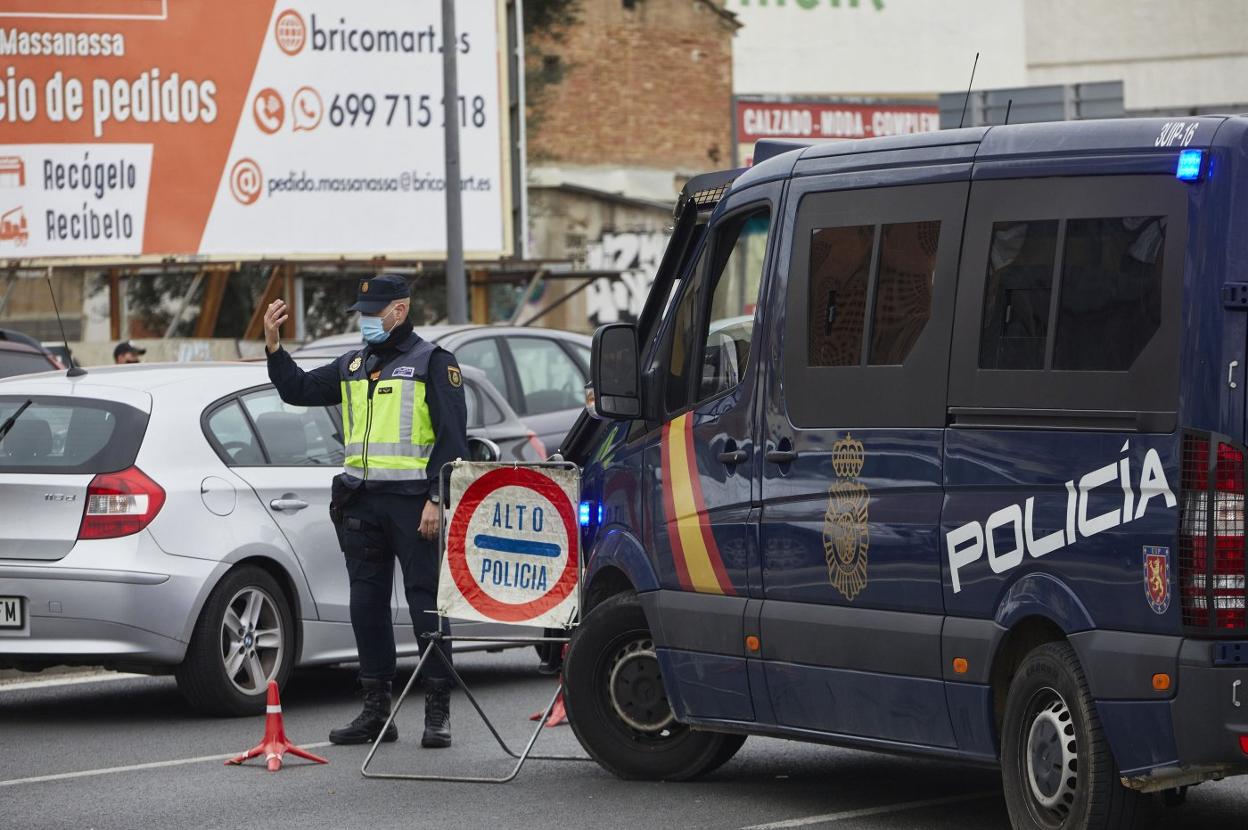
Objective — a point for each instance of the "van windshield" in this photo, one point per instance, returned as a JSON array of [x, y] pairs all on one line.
[[69, 435]]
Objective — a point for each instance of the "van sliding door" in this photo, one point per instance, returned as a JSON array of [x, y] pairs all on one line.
[[852, 474]]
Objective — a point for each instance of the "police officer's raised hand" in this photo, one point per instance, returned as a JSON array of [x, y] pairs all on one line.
[[274, 316], [429, 521]]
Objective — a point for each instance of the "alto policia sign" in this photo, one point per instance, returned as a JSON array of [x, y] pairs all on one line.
[[512, 545], [226, 128]]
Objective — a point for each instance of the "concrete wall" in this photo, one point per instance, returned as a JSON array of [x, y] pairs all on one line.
[[1168, 53], [875, 47]]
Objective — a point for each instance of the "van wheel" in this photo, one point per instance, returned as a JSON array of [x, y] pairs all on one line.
[[244, 638], [618, 708], [1056, 765]]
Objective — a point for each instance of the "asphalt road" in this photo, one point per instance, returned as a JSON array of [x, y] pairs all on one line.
[[126, 753]]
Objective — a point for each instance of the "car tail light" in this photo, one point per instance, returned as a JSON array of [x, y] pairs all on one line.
[[537, 445], [1212, 563], [119, 504]]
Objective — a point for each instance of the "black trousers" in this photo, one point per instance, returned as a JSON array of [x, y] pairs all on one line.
[[377, 529]]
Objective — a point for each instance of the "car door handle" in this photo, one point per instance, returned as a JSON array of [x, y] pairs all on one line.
[[288, 504], [781, 456], [733, 456]]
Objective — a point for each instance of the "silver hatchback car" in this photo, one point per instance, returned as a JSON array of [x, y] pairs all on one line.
[[174, 518]]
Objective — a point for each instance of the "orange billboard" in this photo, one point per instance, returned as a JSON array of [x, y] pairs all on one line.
[[231, 128]]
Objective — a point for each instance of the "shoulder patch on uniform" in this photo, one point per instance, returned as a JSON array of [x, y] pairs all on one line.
[[403, 372], [453, 375], [355, 364]]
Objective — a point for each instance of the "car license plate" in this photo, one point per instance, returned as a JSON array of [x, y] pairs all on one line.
[[11, 613]]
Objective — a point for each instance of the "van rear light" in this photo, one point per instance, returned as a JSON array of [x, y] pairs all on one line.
[[1212, 562], [119, 504]]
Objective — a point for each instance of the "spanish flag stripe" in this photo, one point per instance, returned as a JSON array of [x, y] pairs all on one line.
[[669, 513], [708, 535], [693, 540]]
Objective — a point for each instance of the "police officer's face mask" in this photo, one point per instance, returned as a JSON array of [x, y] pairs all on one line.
[[374, 328]]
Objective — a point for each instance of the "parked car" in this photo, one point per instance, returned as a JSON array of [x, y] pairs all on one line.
[[542, 372], [21, 355], [149, 514], [56, 354], [20, 359]]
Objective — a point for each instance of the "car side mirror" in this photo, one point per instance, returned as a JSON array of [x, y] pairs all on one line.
[[615, 372], [483, 449]]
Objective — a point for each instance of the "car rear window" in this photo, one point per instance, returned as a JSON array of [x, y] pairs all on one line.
[[21, 363], [69, 435]]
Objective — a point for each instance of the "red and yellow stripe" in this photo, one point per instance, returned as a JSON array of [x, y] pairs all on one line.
[[699, 566]]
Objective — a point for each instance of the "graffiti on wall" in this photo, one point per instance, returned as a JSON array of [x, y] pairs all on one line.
[[636, 255]]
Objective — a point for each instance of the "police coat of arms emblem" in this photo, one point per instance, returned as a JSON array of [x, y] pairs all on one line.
[[1157, 578], [846, 537]]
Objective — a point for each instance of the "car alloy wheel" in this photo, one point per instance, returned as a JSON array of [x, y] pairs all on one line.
[[252, 640]]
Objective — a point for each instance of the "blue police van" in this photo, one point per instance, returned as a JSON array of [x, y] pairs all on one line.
[[934, 444]]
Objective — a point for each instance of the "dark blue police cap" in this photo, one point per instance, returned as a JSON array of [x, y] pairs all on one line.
[[372, 295]]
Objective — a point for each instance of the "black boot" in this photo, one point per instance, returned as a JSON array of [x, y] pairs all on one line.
[[437, 715], [367, 725]]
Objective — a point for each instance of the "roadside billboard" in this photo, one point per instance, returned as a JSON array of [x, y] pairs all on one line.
[[814, 119], [246, 128]]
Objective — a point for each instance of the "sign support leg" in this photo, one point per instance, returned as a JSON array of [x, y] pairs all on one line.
[[434, 646]]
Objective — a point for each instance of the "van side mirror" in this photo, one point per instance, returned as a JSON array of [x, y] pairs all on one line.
[[615, 372]]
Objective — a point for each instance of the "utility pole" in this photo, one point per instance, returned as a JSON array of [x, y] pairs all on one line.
[[456, 289]]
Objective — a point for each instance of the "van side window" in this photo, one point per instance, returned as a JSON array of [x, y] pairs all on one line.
[[714, 320], [840, 270], [1109, 296], [1110, 292], [1069, 302], [903, 290], [869, 301], [1016, 296]]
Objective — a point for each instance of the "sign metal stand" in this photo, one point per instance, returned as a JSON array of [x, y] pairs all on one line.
[[434, 646]]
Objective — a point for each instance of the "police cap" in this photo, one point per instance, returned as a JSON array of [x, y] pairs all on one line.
[[372, 295]]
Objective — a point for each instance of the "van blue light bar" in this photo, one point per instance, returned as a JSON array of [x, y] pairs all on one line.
[[584, 514], [1190, 165]]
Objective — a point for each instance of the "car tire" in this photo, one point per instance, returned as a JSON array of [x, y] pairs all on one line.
[[1056, 765], [243, 638], [618, 708]]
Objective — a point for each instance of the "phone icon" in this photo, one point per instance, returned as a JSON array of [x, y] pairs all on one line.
[[269, 110], [308, 109]]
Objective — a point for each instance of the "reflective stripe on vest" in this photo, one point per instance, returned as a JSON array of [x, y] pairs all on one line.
[[390, 436]]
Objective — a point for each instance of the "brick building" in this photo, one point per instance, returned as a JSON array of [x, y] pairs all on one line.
[[630, 102]]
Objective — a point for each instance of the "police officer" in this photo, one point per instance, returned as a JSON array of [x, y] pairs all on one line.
[[404, 416]]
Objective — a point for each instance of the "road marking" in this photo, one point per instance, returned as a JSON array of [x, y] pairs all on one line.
[[868, 811], [72, 680], [87, 773]]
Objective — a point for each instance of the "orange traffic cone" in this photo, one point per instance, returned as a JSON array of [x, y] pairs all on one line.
[[558, 712], [274, 744]]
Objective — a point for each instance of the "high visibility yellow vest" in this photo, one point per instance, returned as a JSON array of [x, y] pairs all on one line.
[[389, 432]]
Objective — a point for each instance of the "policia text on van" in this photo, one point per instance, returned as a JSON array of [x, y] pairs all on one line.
[[935, 444]]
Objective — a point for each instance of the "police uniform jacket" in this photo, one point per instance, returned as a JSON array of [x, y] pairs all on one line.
[[403, 409]]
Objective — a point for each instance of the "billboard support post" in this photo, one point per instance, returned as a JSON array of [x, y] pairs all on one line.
[[456, 290]]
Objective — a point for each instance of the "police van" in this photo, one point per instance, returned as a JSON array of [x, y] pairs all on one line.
[[934, 444]]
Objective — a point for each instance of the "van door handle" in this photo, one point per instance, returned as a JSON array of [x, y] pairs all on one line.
[[733, 456], [781, 456], [288, 504]]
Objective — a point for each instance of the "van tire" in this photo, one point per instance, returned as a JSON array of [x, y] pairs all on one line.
[[202, 677], [1051, 725], [615, 638]]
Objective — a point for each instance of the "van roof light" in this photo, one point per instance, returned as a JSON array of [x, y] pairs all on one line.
[[1191, 164]]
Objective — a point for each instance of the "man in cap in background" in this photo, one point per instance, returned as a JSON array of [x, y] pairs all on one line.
[[404, 416], [127, 352]]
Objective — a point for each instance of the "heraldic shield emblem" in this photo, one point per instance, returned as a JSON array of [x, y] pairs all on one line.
[[846, 538], [1157, 578]]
